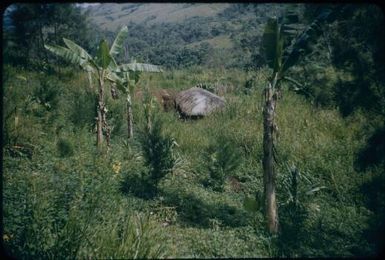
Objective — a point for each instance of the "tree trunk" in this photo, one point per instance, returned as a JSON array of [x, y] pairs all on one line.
[[130, 126], [100, 111], [268, 163], [99, 135]]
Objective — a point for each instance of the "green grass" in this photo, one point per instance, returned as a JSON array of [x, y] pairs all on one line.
[[67, 200]]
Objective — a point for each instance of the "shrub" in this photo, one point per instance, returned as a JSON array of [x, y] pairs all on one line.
[[65, 148], [222, 159], [157, 151]]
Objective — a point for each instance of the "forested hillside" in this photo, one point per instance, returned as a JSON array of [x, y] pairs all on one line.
[[182, 35], [277, 152]]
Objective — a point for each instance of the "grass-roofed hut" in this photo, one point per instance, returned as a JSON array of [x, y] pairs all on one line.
[[197, 102]]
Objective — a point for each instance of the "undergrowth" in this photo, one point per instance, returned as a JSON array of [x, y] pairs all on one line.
[[63, 199]]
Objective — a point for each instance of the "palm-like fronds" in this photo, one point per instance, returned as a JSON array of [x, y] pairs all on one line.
[[272, 44], [145, 67], [77, 49], [302, 45], [103, 58], [117, 45], [282, 46], [66, 54]]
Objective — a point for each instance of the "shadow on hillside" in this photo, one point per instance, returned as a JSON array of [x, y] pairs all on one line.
[[192, 211], [198, 213], [139, 186]]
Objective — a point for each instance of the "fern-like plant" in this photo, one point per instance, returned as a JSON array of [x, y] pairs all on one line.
[[157, 149], [222, 159]]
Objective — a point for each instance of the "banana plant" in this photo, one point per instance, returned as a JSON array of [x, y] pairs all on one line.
[[284, 42], [101, 67], [126, 77]]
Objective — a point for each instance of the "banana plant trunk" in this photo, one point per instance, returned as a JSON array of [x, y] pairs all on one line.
[[101, 112], [268, 159], [130, 125], [99, 135]]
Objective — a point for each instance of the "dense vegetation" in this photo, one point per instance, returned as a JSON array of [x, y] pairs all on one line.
[[225, 40], [193, 188]]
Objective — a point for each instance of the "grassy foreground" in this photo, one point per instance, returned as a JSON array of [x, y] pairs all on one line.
[[62, 199]]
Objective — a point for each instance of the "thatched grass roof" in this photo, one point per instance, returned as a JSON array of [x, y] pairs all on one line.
[[197, 102]]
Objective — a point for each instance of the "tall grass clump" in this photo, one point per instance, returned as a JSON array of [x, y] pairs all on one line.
[[125, 235]]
